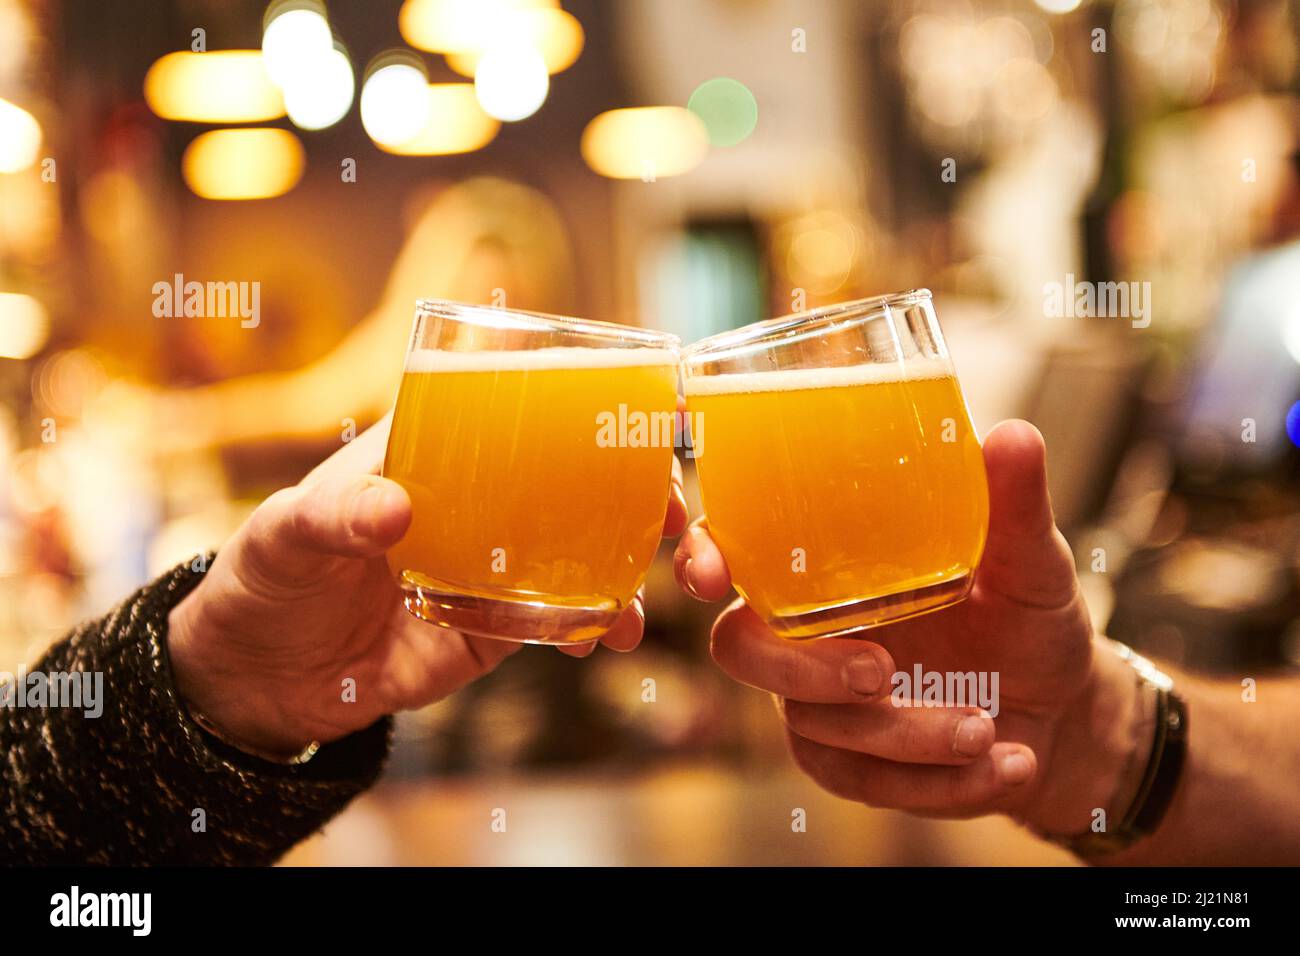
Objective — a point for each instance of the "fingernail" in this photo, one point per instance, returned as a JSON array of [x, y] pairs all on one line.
[[974, 736], [1016, 769], [862, 674], [366, 510], [688, 579]]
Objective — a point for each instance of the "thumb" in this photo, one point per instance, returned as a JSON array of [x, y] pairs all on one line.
[[1026, 558], [350, 516]]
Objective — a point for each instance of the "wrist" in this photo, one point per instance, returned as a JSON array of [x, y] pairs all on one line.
[[216, 696], [1099, 752]]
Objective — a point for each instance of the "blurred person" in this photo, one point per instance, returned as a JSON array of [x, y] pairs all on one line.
[[1078, 723], [470, 240], [226, 730]]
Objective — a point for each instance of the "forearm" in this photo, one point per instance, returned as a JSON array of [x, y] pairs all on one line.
[[307, 402], [126, 785], [1235, 803]]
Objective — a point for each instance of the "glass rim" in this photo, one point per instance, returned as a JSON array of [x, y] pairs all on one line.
[[499, 317], [799, 325]]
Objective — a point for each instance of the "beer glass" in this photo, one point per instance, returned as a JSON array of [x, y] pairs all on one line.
[[842, 477], [537, 452]]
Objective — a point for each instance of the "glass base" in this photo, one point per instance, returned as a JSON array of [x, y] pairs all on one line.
[[524, 622], [846, 619]]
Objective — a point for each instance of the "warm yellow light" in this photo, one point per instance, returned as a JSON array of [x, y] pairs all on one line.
[[459, 26], [395, 101], [645, 143], [293, 41], [321, 94], [511, 81], [820, 260], [222, 86], [555, 34], [20, 138], [456, 124], [243, 163], [24, 325], [1057, 6]]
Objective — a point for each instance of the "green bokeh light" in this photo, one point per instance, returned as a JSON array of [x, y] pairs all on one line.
[[728, 109]]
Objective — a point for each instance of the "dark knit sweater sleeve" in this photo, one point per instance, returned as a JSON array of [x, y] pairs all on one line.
[[127, 786]]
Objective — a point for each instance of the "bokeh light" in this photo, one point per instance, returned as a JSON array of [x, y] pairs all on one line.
[[309, 66], [243, 163], [321, 94], [727, 108], [455, 124], [1293, 424], [24, 325], [976, 82], [1176, 42], [66, 382], [820, 250], [221, 86], [292, 41], [555, 34], [16, 46], [395, 102], [460, 26], [20, 138], [645, 142], [511, 81], [1058, 6]]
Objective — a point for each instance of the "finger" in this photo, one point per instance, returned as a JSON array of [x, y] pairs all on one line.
[[1026, 559], [363, 455], [833, 670], [699, 566], [578, 650], [678, 515], [444, 662], [356, 516], [995, 779], [482, 655], [626, 633], [929, 735]]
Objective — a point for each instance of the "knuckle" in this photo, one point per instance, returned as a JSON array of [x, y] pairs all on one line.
[[962, 787], [724, 642], [908, 737], [792, 672], [795, 716]]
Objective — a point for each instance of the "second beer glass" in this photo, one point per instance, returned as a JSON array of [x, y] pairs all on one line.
[[842, 478], [537, 452]]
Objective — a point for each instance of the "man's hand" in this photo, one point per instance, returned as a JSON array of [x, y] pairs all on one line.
[[1065, 733], [301, 599]]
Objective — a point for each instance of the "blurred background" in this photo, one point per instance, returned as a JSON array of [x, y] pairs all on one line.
[[689, 166]]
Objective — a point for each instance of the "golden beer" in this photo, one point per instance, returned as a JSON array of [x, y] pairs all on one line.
[[531, 521], [845, 496]]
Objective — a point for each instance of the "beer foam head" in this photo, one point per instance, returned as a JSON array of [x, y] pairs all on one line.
[[795, 379], [528, 360]]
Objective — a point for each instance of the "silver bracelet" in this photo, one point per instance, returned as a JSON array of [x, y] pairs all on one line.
[[206, 724]]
